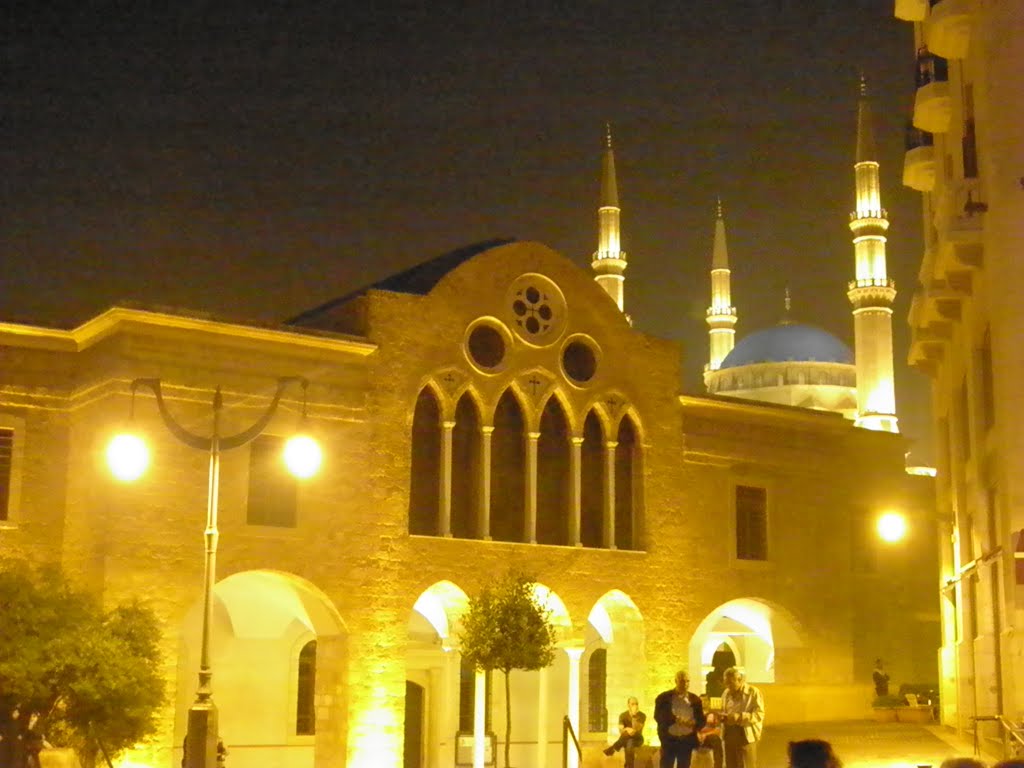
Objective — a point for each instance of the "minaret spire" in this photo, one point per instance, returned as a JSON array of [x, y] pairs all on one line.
[[872, 291], [609, 261], [721, 317]]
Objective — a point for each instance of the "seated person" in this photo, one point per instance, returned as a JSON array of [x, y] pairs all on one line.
[[631, 731]]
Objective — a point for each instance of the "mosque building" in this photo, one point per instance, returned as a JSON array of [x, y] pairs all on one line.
[[487, 409], [794, 363]]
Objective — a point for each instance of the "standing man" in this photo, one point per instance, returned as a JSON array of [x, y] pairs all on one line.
[[881, 679], [631, 731], [679, 715], [743, 715]]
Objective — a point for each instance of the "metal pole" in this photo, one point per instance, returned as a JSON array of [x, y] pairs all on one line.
[[202, 737]]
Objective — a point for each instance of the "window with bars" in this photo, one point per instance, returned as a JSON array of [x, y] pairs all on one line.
[[6, 458], [597, 690], [273, 492], [751, 523], [305, 707]]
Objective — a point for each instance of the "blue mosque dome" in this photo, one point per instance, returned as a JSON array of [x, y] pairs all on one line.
[[788, 342]]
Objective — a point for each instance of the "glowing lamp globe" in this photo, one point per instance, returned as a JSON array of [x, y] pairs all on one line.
[[127, 457], [302, 456], [892, 527]]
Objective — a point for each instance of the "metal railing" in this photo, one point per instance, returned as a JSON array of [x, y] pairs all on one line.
[[567, 731], [1012, 736]]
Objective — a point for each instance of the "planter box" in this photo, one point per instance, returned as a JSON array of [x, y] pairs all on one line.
[[884, 714], [920, 714]]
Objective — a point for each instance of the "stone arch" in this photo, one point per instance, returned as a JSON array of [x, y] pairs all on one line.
[[761, 634], [508, 468], [553, 474], [433, 671], [264, 619], [425, 463], [616, 625], [467, 474]]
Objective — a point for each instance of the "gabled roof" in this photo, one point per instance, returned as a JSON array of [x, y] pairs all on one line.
[[418, 280]]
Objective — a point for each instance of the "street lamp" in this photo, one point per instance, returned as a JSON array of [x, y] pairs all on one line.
[[128, 457], [892, 527]]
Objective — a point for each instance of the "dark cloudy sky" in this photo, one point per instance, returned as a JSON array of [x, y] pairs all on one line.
[[255, 160]]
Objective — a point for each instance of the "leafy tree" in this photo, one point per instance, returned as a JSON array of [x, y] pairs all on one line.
[[90, 676], [506, 628]]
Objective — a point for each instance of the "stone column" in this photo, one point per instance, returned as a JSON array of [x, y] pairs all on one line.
[[609, 494], [574, 655], [541, 760], [483, 526], [444, 525], [575, 490], [449, 705], [479, 718], [530, 535]]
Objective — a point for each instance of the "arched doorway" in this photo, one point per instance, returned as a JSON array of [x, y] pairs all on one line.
[[415, 719], [289, 630]]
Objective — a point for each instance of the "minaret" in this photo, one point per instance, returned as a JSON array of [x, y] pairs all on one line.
[[721, 316], [609, 260], [872, 293]]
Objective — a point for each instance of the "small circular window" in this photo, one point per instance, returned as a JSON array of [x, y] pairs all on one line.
[[486, 346], [537, 309], [579, 361]]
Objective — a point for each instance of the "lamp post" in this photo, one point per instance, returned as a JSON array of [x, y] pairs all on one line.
[[127, 459]]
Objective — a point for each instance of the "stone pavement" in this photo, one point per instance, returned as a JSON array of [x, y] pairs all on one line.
[[864, 743]]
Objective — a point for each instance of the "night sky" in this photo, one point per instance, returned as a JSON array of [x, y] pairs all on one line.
[[254, 161]]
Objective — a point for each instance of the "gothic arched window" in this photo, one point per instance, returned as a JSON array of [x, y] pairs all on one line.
[[305, 706], [597, 690], [425, 482]]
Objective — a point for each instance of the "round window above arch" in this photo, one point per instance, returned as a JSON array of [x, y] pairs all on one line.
[[487, 344], [580, 358], [536, 309]]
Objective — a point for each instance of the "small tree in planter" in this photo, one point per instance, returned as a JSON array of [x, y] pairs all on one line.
[[506, 628]]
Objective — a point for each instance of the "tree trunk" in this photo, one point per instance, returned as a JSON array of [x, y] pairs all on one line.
[[508, 715]]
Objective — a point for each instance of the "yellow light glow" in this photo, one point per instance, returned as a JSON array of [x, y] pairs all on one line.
[[302, 456], [892, 526], [127, 457]]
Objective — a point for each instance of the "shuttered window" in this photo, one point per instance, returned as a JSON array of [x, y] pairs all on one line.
[[751, 523], [273, 492]]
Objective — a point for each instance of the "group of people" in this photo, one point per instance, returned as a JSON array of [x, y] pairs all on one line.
[[731, 733], [20, 741]]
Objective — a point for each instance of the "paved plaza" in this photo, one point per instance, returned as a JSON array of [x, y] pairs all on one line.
[[864, 743]]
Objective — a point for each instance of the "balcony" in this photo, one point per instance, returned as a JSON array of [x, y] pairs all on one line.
[[960, 226], [932, 104], [948, 28], [911, 10], [919, 160]]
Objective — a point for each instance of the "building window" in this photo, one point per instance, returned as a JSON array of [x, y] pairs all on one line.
[[751, 523], [305, 709], [273, 492], [467, 698], [597, 689], [988, 399], [963, 413], [6, 474]]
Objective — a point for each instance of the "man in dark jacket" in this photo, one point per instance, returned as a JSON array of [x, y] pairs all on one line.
[[679, 715]]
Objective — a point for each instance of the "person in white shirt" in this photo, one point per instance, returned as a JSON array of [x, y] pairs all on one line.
[[743, 716], [679, 715]]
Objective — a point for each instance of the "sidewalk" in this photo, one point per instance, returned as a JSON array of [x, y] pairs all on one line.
[[865, 743]]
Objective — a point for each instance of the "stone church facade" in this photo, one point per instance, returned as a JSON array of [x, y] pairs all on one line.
[[488, 410]]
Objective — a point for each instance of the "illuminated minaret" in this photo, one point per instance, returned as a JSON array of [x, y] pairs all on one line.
[[609, 260], [721, 317], [872, 293]]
